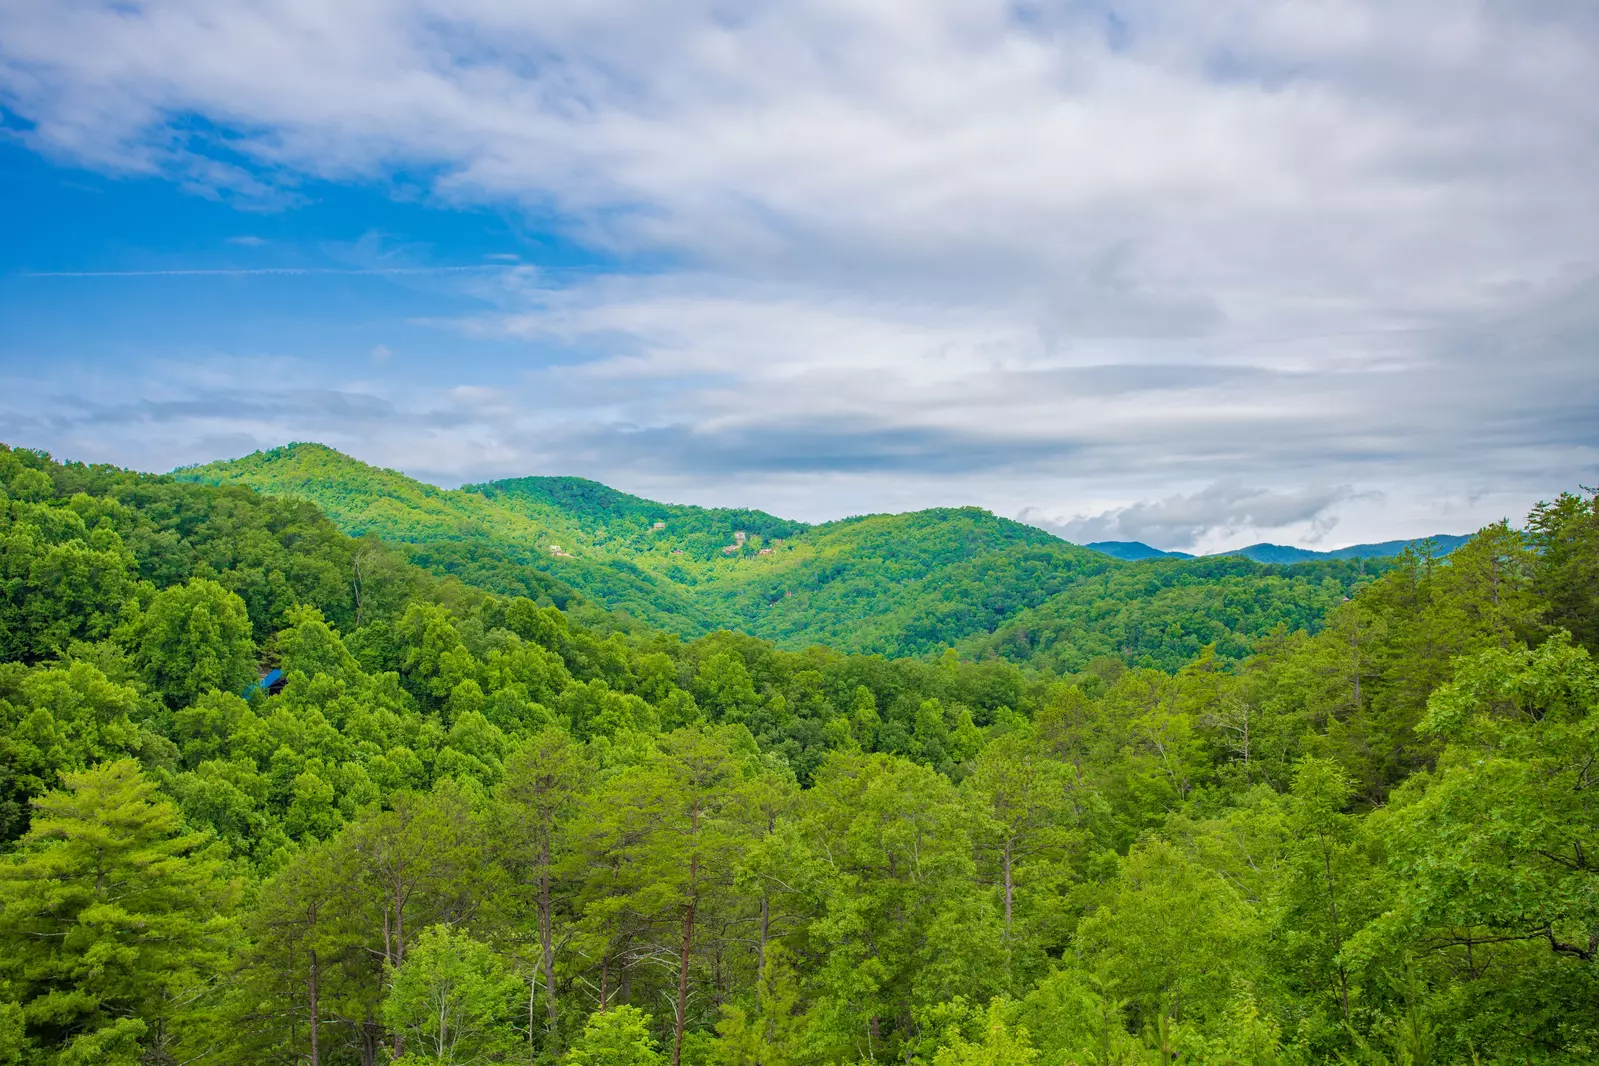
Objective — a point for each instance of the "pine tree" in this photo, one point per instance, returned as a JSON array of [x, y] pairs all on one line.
[[113, 921]]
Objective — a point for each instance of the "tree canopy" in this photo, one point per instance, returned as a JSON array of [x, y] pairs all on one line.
[[473, 825]]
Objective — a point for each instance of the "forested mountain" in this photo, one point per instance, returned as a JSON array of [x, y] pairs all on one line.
[[1133, 550], [1441, 544], [633, 523], [459, 533], [472, 828], [907, 584], [1163, 612]]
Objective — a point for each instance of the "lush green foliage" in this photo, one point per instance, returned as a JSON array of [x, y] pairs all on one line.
[[112, 919], [453, 1001], [1163, 612], [473, 828], [910, 584], [505, 547], [632, 521]]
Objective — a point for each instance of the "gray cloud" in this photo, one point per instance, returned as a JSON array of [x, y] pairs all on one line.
[[1221, 509], [1125, 269], [821, 447]]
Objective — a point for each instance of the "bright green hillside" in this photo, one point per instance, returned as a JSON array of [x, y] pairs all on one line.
[[901, 584], [626, 523], [906, 584], [462, 533], [1163, 612]]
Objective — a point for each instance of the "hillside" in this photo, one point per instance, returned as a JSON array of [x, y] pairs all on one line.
[[905, 584], [1363, 846], [1163, 612], [462, 533], [900, 584], [602, 515]]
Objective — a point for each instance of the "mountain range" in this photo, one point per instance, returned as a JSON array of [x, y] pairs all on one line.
[[1134, 550], [899, 584]]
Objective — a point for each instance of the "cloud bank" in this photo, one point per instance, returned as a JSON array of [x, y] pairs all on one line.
[[1221, 509], [1108, 260]]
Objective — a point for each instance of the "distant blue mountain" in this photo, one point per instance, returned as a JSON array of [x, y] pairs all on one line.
[[1133, 550], [1443, 543]]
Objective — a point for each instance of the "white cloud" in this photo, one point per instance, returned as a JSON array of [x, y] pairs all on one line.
[[1089, 257], [1218, 510]]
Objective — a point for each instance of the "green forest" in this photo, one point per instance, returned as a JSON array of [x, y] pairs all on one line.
[[348, 770], [898, 585]]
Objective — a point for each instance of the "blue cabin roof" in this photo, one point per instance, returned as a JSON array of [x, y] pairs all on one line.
[[268, 679]]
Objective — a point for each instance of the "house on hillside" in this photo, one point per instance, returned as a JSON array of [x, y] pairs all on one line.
[[658, 526], [270, 683], [730, 549]]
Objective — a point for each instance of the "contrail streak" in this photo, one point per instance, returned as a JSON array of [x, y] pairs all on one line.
[[249, 271]]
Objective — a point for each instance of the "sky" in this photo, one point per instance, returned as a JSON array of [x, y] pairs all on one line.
[[1194, 272]]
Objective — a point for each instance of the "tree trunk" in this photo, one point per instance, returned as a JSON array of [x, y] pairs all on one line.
[[1338, 938], [766, 926], [1010, 890], [370, 1038], [1354, 644], [532, 1009], [688, 939], [682, 975], [356, 559], [399, 955], [316, 1018], [399, 927], [547, 932]]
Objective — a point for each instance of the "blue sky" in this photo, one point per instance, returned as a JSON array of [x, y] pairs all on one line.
[[100, 272], [1197, 273]]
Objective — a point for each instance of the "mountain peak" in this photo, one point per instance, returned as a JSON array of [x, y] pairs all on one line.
[[1133, 550]]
